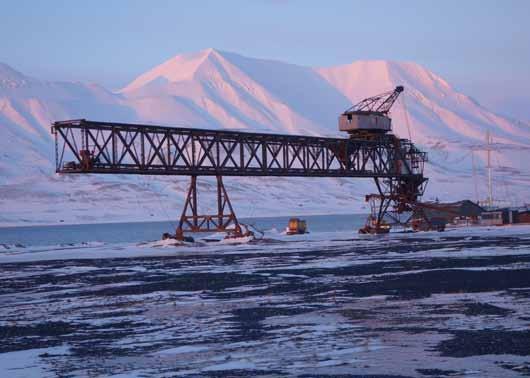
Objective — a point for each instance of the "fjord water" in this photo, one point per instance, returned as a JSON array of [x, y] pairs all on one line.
[[146, 231]]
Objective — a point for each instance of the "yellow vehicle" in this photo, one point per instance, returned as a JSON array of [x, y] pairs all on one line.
[[296, 226]]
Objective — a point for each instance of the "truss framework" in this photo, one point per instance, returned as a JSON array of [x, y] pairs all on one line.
[[98, 147], [191, 221], [393, 204], [395, 164]]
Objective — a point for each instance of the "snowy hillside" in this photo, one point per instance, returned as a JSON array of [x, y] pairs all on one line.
[[213, 89], [447, 124]]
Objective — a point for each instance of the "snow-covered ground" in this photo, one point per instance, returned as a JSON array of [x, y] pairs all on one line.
[[217, 89], [409, 305], [272, 240]]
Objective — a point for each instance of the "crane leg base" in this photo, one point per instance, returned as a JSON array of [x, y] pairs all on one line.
[[224, 221]]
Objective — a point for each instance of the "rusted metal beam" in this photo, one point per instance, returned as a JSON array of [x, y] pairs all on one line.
[[157, 150]]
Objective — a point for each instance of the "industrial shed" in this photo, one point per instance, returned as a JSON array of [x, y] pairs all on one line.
[[461, 212]]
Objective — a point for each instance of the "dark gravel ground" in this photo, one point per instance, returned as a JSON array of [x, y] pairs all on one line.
[[410, 308]]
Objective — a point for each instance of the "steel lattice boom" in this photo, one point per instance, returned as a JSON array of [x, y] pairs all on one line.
[[99, 147], [377, 104]]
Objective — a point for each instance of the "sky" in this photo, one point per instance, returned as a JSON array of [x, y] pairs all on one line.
[[481, 47]]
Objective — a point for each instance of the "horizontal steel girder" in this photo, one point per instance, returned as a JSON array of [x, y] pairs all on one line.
[[115, 148]]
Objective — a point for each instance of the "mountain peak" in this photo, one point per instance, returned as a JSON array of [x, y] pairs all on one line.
[[211, 51], [11, 78], [364, 77], [181, 67]]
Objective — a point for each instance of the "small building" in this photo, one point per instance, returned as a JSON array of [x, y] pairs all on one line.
[[492, 218], [464, 212], [505, 216], [522, 216]]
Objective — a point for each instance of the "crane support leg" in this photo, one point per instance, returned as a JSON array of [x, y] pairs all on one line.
[[393, 205], [224, 221], [379, 206]]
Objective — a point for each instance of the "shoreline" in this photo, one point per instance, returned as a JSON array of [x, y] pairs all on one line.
[[6, 225]]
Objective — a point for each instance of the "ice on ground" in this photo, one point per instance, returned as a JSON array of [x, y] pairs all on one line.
[[276, 243], [29, 363], [184, 349], [232, 365], [164, 243], [324, 303], [241, 240]]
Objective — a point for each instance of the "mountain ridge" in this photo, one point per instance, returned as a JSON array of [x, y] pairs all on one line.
[[219, 89]]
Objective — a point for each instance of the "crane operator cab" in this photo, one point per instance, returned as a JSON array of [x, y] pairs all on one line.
[[370, 116]]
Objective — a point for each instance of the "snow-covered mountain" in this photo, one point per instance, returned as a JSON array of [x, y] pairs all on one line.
[[28, 106], [218, 89], [214, 89]]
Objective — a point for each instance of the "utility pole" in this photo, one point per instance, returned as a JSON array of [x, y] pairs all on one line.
[[474, 176], [490, 189]]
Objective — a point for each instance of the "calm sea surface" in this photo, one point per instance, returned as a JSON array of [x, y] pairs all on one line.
[[144, 231]]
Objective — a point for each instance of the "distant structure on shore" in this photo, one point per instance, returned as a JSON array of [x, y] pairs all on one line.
[[435, 215]]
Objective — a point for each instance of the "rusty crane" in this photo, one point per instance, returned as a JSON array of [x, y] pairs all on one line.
[[371, 151]]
